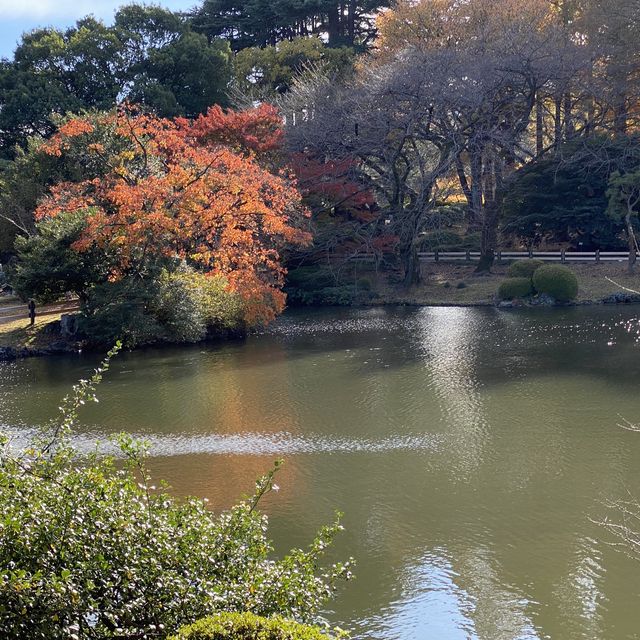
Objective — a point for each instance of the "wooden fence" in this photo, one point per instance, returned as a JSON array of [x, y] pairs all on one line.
[[509, 256]]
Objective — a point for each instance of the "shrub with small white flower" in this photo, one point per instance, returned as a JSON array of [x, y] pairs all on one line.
[[89, 549]]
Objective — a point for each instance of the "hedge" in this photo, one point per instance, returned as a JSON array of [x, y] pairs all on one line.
[[524, 268], [512, 288], [247, 626], [556, 281]]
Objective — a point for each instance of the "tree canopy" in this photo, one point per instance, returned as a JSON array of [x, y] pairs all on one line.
[[196, 190]]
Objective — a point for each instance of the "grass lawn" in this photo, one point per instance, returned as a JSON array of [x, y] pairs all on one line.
[[441, 281]]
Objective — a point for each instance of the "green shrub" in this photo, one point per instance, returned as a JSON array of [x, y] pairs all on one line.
[[441, 240], [91, 549], [524, 268], [556, 281], [120, 310], [513, 288], [190, 304], [178, 306], [317, 286], [47, 265], [246, 626], [364, 284], [339, 296], [343, 295], [446, 240]]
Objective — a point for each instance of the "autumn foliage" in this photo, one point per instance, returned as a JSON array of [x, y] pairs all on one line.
[[205, 191]]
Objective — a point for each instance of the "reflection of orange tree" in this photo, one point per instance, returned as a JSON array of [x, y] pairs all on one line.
[[221, 479], [249, 395]]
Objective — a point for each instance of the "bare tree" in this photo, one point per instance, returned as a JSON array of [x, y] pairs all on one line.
[[387, 122]]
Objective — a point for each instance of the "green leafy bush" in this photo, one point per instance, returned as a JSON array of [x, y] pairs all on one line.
[[246, 626], [556, 281], [90, 549], [524, 268], [339, 296], [446, 240], [319, 286], [191, 304], [176, 306], [514, 288], [120, 309]]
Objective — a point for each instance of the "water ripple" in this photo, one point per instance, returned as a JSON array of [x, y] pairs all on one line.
[[250, 443]]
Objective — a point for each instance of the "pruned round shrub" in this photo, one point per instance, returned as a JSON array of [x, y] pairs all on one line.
[[556, 281], [513, 288], [524, 268], [247, 626]]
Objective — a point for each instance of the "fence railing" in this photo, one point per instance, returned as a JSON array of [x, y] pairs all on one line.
[[509, 256]]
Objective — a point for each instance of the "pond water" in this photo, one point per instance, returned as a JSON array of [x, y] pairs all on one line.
[[470, 450]]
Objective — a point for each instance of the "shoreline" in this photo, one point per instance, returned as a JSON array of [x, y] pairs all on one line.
[[9, 353], [444, 285]]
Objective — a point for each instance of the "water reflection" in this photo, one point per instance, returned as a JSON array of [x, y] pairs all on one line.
[[450, 345], [469, 449]]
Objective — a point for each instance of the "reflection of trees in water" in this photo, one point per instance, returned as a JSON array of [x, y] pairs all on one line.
[[224, 479], [236, 399]]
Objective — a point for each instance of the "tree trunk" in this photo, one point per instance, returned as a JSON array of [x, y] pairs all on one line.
[[633, 247], [334, 25], [621, 116], [409, 247], [568, 117], [411, 265], [351, 22], [476, 189], [493, 191], [557, 122], [539, 126], [488, 238]]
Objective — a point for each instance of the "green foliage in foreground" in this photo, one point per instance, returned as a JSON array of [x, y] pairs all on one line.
[[90, 549], [515, 288], [246, 626], [524, 268], [556, 281]]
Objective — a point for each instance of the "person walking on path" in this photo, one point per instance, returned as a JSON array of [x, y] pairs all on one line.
[[32, 311]]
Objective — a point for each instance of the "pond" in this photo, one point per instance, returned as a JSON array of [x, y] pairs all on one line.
[[471, 451]]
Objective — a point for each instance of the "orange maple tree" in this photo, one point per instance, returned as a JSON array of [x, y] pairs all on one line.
[[198, 190]]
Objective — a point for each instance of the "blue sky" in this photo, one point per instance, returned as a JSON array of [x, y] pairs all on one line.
[[18, 16]]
